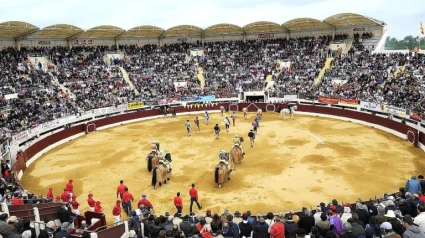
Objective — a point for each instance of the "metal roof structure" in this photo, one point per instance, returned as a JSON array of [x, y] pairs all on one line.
[[305, 24], [16, 29], [143, 31], [20, 30], [58, 31], [350, 19], [223, 29], [262, 26], [104, 31], [184, 30]]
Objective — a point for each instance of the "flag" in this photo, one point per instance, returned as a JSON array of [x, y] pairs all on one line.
[[422, 29]]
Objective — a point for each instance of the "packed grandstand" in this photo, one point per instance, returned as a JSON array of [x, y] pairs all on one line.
[[44, 79]]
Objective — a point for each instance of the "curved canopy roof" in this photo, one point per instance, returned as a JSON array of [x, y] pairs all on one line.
[[304, 24], [262, 26], [58, 31], [350, 19], [105, 31], [184, 30], [143, 31], [223, 29], [14, 29]]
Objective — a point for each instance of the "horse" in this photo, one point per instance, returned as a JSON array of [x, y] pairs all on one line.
[[167, 110], [160, 173], [152, 160], [236, 156], [221, 174], [245, 112], [285, 111], [260, 111]]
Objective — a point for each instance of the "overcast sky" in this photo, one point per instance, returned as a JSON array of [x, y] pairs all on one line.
[[403, 17]]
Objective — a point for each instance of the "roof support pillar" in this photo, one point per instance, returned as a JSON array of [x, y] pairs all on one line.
[[17, 45]]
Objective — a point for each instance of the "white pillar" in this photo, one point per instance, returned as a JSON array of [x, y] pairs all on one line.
[[37, 219], [126, 227], [93, 235]]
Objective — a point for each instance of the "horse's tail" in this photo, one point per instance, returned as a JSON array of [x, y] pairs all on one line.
[[150, 163], [154, 173], [216, 176]]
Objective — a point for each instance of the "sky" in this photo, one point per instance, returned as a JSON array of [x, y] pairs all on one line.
[[402, 17]]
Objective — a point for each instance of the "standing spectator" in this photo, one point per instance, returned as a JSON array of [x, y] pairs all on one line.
[[145, 202], [323, 225], [387, 231], [420, 219], [290, 226], [346, 215], [75, 205], [347, 231], [16, 200], [69, 187], [135, 222], [245, 228], [412, 230], [97, 207], [357, 229], [5, 229], [317, 214], [121, 189], [91, 202], [261, 229], [178, 203], [335, 222], [127, 198], [49, 195], [306, 221], [116, 211], [278, 229], [233, 226], [194, 197], [413, 186], [63, 233], [422, 183]]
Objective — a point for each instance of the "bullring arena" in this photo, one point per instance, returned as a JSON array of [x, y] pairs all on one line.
[[313, 158]]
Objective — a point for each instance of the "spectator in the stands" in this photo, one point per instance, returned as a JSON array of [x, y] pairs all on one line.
[[413, 186], [63, 233]]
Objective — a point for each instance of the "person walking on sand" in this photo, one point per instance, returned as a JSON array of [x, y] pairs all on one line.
[[121, 189], [217, 131], [251, 136], [254, 126], [206, 117], [194, 197], [178, 203], [234, 119], [188, 128], [227, 123], [196, 121], [116, 211]]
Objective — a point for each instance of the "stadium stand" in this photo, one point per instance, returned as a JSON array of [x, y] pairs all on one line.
[[62, 70]]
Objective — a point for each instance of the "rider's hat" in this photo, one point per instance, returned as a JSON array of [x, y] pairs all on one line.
[[222, 151], [236, 136]]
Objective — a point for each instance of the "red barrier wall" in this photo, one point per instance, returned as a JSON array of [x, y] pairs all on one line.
[[252, 107]]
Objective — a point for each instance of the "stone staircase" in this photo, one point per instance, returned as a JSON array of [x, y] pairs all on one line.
[[64, 89], [322, 72], [127, 79], [348, 46]]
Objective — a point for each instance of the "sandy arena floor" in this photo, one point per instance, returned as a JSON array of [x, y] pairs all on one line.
[[288, 167]]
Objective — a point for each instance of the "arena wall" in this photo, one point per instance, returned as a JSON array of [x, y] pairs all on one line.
[[377, 30], [315, 33], [4, 43], [222, 38], [139, 41], [413, 135], [43, 42], [176, 39]]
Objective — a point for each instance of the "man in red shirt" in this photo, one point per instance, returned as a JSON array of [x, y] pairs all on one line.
[[66, 197], [16, 200], [75, 205], [127, 198], [178, 203], [194, 197], [121, 189], [57, 199], [91, 202], [70, 187], [145, 202], [116, 211], [97, 207], [50, 194]]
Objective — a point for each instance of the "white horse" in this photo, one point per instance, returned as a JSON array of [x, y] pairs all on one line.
[[245, 112], [285, 111]]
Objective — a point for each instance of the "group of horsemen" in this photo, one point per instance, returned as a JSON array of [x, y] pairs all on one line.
[[223, 156]]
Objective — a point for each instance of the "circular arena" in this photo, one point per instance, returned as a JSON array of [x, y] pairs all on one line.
[[340, 123], [311, 157]]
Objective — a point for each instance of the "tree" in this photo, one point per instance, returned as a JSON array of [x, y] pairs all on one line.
[[408, 43]]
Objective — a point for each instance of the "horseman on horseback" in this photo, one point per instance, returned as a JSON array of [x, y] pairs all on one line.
[[225, 159], [237, 142], [165, 159], [155, 146]]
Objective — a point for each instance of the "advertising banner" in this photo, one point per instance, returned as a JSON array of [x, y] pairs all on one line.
[[416, 116], [349, 101], [290, 97], [22, 136], [198, 99], [135, 105], [49, 125], [394, 110], [103, 110], [265, 35], [371, 106], [328, 100], [168, 100]]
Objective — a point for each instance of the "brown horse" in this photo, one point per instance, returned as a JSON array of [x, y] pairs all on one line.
[[221, 174], [152, 160], [170, 110], [160, 175], [236, 154]]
